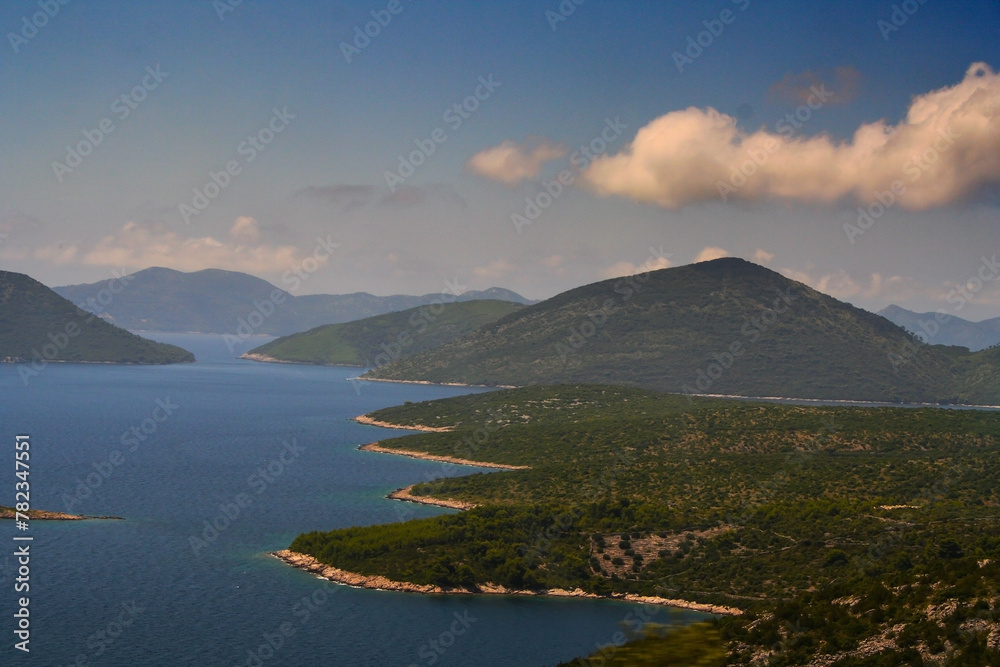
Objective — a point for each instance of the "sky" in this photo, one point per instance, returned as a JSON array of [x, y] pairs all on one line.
[[413, 146]]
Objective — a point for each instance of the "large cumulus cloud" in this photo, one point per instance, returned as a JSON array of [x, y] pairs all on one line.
[[945, 149]]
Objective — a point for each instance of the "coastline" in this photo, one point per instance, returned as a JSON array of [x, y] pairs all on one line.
[[368, 421], [405, 496], [20, 360], [253, 356], [45, 515], [847, 402], [362, 378], [377, 582], [375, 447], [263, 358]]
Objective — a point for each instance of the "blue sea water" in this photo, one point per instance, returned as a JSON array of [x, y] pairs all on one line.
[[170, 448]]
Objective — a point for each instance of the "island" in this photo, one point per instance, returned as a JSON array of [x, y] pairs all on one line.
[[45, 515]]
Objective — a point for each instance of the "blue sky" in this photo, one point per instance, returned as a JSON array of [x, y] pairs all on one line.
[[650, 201]]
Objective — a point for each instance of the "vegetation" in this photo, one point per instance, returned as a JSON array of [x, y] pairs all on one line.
[[375, 341], [36, 324], [215, 301], [868, 535], [980, 373], [694, 645], [722, 327]]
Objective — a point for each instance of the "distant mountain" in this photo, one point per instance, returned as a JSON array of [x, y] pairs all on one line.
[[721, 327], [378, 340], [37, 325], [215, 301], [946, 329]]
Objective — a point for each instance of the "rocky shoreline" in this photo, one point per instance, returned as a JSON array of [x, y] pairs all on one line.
[[375, 447], [363, 378], [404, 494], [368, 421], [378, 582], [45, 515], [255, 356]]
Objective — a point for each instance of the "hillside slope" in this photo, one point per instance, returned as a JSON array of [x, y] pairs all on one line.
[[980, 377], [845, 529], [380, 339], [38, 324], [726, 326]]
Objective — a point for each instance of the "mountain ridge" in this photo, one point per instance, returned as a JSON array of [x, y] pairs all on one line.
[[945, 328], [726, 326], [214, 301]]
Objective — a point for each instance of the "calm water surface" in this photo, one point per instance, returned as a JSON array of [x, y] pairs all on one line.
[[140, 592]]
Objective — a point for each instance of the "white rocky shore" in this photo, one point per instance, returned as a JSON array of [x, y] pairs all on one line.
[[378, 582]]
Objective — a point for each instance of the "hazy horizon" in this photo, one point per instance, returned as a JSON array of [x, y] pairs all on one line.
[[249, 136]]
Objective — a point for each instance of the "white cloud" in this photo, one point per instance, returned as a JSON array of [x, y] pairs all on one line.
[[709, 253], [245, 230], [512, 163], [876, 287], [621, 269], [136, 246], [495, 269], [799, 276], [945, 149], [56, 254], [12, 254], [555, 263], [762, 256]]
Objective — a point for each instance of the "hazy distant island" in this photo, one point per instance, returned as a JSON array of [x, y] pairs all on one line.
[[214, 301], [945, 328]]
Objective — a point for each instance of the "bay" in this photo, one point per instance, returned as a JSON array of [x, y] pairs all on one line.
[[170, 448]]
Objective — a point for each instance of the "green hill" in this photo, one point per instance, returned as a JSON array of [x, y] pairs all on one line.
[[980, 376], [841, 532], [38, 325], [374, 341], [726, 326]]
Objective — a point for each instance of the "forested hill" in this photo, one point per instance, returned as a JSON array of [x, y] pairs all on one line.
[[38, 325], [726, 326], [378, 340]]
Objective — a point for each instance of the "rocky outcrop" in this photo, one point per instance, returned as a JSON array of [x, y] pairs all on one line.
[[378, 582], [45, 515], [365, 419], [405, 495], [375, 447]]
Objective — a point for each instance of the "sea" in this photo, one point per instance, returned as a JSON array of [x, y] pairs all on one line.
[[210, 466]]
